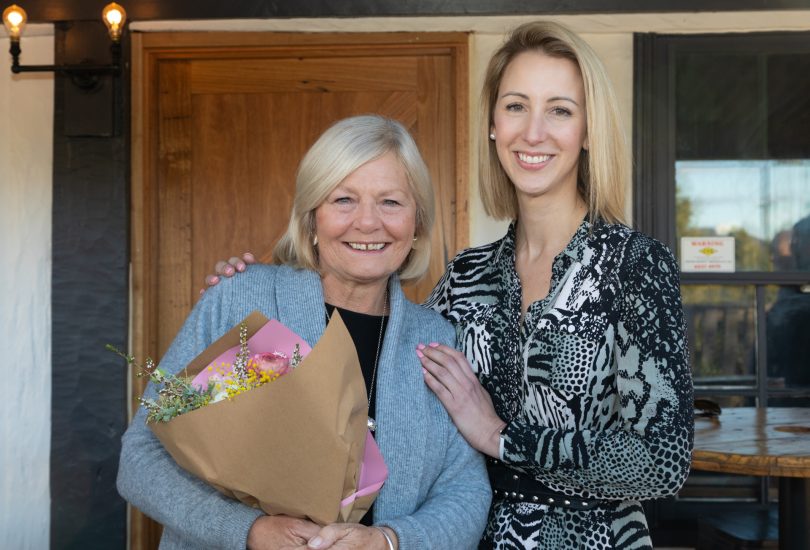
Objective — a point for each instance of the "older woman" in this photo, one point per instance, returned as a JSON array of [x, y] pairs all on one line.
[[361, 220]]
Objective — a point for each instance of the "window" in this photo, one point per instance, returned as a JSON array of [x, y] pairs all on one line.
[[722, 143], [722, 171]]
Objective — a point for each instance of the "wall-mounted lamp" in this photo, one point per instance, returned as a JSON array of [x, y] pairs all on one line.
[[84, 74]]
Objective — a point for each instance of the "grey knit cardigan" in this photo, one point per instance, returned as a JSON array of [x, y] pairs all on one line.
[[437, 494]]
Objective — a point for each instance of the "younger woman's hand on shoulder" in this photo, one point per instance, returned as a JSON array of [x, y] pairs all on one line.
[[229, 268], [448, 374]]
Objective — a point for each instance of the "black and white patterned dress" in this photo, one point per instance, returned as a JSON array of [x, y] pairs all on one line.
[[595, 381]]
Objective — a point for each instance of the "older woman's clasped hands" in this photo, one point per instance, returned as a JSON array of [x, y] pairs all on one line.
[[286, 533]]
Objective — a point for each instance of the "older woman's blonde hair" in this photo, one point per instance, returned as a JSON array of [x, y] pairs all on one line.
[[604, 168], [342, 149]]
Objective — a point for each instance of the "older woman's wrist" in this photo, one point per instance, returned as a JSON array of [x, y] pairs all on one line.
[[389, 536]]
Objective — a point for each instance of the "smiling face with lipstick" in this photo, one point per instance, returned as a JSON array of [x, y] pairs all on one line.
[[539, 125], [551, 123]]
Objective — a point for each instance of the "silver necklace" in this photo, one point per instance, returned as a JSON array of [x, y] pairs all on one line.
[[371, 423]]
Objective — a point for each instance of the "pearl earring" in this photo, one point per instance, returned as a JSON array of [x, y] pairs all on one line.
[[315, 240], [492, 136]]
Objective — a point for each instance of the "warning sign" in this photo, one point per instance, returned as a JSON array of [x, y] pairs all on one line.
[[707, 254]]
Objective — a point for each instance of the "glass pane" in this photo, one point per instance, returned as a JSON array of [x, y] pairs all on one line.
[[763, 204], [742, 165], [712, 123], [788, 346], [742, 105], [789, 105], [721, 334]]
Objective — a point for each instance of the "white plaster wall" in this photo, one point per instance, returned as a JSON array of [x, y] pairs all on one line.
[[610, 35], [26, 158]]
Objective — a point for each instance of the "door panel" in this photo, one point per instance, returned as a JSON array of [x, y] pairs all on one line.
[[220, 124], [330, 74]]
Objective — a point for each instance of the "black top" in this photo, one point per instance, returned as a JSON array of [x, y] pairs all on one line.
[[366, 334], [365, 331]]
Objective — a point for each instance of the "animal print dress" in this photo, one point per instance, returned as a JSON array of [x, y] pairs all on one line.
[[594, 383]]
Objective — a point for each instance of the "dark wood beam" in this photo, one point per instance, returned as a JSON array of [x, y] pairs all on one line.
[[89, 298], [144, 10]]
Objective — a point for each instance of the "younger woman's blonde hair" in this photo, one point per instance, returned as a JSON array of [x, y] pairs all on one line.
[[342, 149], [604, 169]]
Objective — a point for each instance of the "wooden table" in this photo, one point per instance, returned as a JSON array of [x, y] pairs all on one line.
[[763, 442]]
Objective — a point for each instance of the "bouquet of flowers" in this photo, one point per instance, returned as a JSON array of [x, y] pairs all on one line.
[[270, 421]]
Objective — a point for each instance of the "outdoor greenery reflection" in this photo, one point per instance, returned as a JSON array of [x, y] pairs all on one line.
[[755, 201], [758, 203]]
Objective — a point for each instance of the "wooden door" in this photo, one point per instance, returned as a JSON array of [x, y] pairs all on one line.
[[220, 122]]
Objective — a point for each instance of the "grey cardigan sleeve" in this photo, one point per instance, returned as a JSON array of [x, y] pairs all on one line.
[[455, 512], [150, 479]]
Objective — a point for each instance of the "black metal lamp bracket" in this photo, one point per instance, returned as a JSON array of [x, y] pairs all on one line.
[[83, 75]]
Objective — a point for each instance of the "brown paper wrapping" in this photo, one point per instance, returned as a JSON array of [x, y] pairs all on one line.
[[292, 446]]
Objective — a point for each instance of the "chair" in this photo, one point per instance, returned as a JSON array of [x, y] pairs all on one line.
[[740, 529]]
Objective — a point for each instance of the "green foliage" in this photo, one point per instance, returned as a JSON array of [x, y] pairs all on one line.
[[176, 395]]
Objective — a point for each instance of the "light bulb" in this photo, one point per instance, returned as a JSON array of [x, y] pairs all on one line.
[[14, 18], [114, 16]]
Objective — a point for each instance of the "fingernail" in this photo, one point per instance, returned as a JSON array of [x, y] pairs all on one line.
[[202, 291], [315, 543], [229, 270], [240, 266], [420, 346], [419, 354], [424, 370], [434, 344]]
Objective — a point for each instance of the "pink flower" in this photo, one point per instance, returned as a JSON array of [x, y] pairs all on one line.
[[273, 362]]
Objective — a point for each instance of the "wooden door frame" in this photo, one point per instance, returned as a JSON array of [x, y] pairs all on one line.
[[149, 49]]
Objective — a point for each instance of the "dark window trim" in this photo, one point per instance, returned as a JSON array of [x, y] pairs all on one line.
[[747, 278]]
